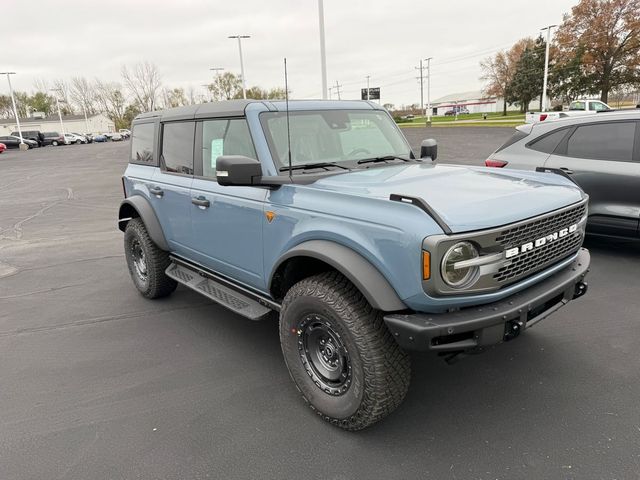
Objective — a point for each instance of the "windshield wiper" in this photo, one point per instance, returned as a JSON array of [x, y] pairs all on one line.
[[384, 158], [308, 166]]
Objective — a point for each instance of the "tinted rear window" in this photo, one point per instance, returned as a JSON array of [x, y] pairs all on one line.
[[603, 141], [548, 143], [177, 147], [142, 143], [516, 137]]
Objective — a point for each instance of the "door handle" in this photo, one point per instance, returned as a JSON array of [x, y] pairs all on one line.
[[201, 202], [156, 191], [566, 170]]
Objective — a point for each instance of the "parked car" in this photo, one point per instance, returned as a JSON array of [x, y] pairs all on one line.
[[116, 137], [3, 147], [35, 135], [125, 132], [362, 248], [53, 138], [89, 137], [76, 138], [598, 153], [100, 138], [11, 141], [576, 108], [458, 110]]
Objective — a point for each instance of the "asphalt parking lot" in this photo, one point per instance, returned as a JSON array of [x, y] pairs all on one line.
[[97, 382]]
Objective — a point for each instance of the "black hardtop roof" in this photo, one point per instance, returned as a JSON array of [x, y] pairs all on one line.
[[236, 108]]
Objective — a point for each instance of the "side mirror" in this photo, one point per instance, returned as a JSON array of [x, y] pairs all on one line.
[[429, 149], [238, 170]]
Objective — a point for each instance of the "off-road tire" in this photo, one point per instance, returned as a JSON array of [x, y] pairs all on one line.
[[380, 370], [155, 283]]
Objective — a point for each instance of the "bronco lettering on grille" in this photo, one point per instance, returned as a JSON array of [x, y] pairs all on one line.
[[515, 251]]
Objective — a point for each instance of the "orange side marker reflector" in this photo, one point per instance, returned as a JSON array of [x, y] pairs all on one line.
[[270, 215], [426, 265]]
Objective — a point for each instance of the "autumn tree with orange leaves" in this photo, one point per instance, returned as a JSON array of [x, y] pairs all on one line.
[[499, 70], [602, 39]]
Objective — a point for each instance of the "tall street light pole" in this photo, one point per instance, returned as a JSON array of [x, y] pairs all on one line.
[[368, 87], [323, 53], [59, 113], [546, 67], [13, 102], [244, 83], [429, 90]]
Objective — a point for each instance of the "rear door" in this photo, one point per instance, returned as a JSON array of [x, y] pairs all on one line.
[[602, 157], [171, 183], [227, 221]]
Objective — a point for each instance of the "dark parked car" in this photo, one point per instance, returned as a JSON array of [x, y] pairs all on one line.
[[99, 138], [35, 135], [12, 141], [53, 138], [601, 153]]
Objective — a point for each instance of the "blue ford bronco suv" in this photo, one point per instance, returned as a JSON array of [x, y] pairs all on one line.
[[320, 211]]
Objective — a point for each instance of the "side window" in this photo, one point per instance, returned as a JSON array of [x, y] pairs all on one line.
[[177, 147], [597, 106], [548, 143], [603, 141], [224, 137], [142, 143], [577, 105]]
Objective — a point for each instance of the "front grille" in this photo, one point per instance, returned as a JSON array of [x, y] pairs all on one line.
[[527, 232], [540, 257]]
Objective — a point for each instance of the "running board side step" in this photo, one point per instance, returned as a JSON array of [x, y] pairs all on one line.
[[241, 303]]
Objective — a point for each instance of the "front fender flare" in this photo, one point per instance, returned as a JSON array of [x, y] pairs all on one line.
[[367, 278], [145, 211]]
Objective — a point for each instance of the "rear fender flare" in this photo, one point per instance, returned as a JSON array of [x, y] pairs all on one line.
[[145, 211]]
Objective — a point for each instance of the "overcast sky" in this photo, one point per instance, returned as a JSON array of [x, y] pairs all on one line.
[[383, 39]]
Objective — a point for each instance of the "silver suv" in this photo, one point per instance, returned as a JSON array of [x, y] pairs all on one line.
[[601, 153]]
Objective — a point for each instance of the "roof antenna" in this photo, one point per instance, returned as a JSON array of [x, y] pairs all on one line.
[[286, 99]]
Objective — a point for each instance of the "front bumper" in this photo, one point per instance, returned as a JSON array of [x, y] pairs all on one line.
[[475, 327]]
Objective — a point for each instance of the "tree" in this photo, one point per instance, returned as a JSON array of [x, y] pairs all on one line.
[[83, 94], [174, 98], [527, 79], [63, 92], [42, 102], [607, 35], [500, 69], [144, 83], [226, 86], [111, 100], [6, 107], [567, 79], [22, 103]]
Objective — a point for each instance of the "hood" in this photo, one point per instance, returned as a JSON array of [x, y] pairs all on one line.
[[466, 198]]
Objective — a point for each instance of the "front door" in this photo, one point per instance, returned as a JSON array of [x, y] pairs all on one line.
[[227, 221], [602, 159]]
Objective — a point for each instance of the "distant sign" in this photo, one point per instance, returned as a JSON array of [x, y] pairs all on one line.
[[374, 93]]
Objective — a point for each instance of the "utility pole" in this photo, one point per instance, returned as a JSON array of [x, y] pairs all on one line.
[[421, 77], [244, 83], [429, 90], [323, 53], [368, 87], [546, 68], [15, 110], [338, 89]]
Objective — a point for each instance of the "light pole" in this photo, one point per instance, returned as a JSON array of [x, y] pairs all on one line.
[[244, 83], [58, 107], [13, 102], [429, 90], [368, 87], [546, 67], [323, 53]]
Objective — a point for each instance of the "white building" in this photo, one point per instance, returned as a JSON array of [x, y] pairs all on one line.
[[98, 123], [474, 102]]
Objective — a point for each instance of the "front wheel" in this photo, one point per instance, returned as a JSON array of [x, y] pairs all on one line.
[[54, 143], [340, 353]]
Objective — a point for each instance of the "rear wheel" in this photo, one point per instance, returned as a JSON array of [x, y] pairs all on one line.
[[340, 354], [146, 262], [54, 143]]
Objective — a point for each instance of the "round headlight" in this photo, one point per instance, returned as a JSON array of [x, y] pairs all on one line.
[[459, 277]]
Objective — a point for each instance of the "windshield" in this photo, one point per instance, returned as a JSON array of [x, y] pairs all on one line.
[[333, 136]]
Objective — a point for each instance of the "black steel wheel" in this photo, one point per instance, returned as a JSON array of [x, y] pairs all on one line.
[[340, 354], [146, 262]]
